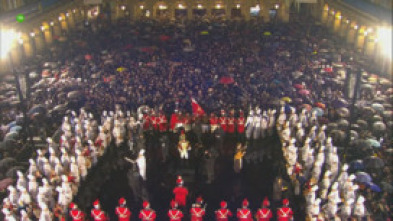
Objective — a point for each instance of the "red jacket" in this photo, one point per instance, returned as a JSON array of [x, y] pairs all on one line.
[[180, 195], [123, 213], [244, 215], [223, 214], [213, 121], [77, 215], [147, 215], [154, 122], [197, 214], [174, 121], [264, 214], [98, 215], [284, 214], [223, 123], [175, 215], [162, 123], [240, 125], [231, 125]]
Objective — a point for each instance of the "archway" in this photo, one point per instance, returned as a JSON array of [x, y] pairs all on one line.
[[236, 11], [181, 10], [160, 10], [218, 11], [199, 11]]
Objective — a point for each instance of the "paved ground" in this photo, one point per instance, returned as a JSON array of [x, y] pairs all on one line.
[[255, 182]]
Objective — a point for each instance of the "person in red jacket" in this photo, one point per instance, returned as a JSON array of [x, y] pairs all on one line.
[[96, 213], [244, 213], [147, 214], [240, 123], [180, 192], [213, 122], [231, 122], [223, 214], [264, 213], [196, 211], [284, 213], [175, 214], [75, 213], [174, 120], [123, 213], [162, 122], [223, 121]]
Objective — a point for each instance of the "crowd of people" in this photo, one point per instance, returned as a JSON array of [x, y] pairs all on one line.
[[196, 77]]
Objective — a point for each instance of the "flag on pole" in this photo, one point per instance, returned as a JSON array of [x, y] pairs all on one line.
[[196, 108]]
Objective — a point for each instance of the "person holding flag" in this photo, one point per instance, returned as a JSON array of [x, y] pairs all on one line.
[[197, 110]]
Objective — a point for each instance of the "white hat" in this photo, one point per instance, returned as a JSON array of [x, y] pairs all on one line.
[[351, 177], [323, 127], [11, 188], [142, 152], [360, 200], [32, 162], [20, 174], [39, 152], [49, 140], [45, 181], [314, 188], [344, 167], [30, 177]]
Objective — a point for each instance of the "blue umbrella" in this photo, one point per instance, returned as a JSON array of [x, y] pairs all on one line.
[[374, 143], [12, 124], [374, 187], [319, 111], [357, 165], [16, 129], [340, 103], [363, 177]]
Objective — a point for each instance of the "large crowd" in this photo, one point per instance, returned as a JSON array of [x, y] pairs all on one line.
[[172, 77]]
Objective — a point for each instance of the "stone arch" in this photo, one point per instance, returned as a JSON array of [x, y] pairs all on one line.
[[161, 10]]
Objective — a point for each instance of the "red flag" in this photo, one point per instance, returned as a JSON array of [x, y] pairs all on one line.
[[196, 108]]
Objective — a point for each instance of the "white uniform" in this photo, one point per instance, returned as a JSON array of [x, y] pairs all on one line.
[[45, 215], [257, 124], [32, 168], [359, 210], [303, 118], [32, 186], [74, 170], [24, 197], [62, 198], [21, 183], [141, 162], [249, 124], [81, 161], [282, 117], [346, 209]]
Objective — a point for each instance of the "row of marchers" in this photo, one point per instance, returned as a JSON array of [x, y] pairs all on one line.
[[330, 192]]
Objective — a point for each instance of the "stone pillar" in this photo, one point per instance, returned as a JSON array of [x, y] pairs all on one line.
[[337, 22], [360, 38]]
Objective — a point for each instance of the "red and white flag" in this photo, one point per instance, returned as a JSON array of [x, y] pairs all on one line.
[[196, 108]]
